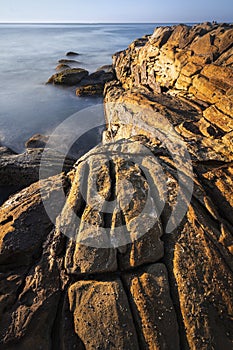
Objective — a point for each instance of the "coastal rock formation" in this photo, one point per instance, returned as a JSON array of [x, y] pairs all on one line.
[[88, 84], [66, 61], [23, 169], [90, 90], [95, 82], [113, 267], [61, 66], [68, 76], [37, 141], [132, 248]]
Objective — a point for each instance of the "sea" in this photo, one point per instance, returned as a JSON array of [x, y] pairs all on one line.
[[29, 54]]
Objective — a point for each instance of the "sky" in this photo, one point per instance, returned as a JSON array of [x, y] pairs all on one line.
[[111, 11]]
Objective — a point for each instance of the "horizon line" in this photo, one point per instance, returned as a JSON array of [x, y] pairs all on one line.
[[131, 22]]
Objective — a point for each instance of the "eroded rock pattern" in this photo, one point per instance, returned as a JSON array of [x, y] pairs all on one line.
[[139, 252]]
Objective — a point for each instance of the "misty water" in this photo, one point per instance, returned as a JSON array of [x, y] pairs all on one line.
[[29, 55]]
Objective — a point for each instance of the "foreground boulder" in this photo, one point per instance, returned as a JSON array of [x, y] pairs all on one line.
[[116, 277]]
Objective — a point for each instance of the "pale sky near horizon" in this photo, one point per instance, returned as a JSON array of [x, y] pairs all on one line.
[[116, 11]]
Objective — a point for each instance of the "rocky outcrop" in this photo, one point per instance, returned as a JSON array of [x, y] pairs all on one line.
[[94, 84], [89, 84], [90, 90], [24, 169], [132, 248], [37, 141], [117, 278], [178, 83], [68, 76], [62, 66]]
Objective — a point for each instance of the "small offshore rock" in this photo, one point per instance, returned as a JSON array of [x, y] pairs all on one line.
[[72, 53], [63, 60], [69, 77], [62, 66]]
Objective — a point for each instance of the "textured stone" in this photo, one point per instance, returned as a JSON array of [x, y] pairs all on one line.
[[24, 222], [68, 76], [90, 90], [29, 304], [98, 236], [24, 169], [37, 141], [102, 317], [213, 115], [153, 309]]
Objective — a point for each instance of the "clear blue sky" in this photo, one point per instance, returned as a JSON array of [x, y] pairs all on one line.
[[116, 10]]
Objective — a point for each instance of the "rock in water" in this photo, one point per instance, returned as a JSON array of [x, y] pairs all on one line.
[[69, 77], [93, 85], [65, 60], [72, 53], [62, 66], [37, 141], [120, 267], [90, 90]]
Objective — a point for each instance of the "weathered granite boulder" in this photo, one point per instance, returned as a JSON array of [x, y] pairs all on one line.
[[137, 251], [69, 77]]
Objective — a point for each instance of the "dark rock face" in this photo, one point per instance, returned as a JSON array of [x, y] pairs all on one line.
[[23, 169], [72, 53], [107, 273]]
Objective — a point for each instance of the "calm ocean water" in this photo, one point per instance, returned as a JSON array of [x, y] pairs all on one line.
[[29, 55]]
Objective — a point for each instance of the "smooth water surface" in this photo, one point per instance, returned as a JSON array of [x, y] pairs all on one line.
[[29, 55]]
